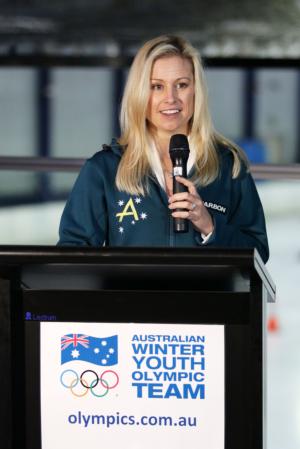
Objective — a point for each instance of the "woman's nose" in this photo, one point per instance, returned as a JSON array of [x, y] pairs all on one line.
[[171, 94]]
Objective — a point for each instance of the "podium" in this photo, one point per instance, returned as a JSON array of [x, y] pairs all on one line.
[[202, 308]]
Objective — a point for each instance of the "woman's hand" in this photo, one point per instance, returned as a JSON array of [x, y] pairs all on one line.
[[194, 208]]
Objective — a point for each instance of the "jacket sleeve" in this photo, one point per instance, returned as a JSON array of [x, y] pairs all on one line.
[[244, 227], [84, 219]]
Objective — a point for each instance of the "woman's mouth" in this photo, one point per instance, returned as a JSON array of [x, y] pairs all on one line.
[[170, 111]]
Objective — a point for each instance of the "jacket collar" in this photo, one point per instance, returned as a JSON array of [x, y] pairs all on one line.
[[115, 147]]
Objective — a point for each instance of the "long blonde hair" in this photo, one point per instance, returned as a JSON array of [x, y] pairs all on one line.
[[135, 137]]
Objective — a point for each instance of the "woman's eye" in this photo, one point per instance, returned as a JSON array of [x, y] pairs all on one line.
[[156, 86], [181, 85]]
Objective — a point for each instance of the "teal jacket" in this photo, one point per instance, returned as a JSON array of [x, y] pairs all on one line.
[[97, 213]]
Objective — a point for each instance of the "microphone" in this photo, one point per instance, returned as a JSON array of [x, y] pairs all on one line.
[[179, 154]]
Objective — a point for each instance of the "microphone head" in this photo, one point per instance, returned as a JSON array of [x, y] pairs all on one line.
[[179, 149], [178, 141]]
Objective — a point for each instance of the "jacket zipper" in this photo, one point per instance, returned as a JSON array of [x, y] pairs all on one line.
[[171, 234], [165, 200]]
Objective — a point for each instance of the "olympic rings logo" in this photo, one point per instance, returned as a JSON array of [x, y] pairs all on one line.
[[89, 380]]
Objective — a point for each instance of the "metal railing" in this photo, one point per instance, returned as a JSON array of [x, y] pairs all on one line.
[[41, 164]]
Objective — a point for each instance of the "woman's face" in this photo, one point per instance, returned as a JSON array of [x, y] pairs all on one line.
[[171, 102]]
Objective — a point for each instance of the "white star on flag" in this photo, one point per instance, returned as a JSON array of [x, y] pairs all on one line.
[[137, 200], [121, 230], [133, 222], [143, 216], [75, 354], [121, 203]]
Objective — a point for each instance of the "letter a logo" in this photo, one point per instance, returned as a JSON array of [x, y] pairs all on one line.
[[128, 210]]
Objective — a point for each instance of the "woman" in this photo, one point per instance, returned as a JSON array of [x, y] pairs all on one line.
[[123, 195]]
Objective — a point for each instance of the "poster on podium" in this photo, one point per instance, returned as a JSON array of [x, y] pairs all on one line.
[[131, 385]]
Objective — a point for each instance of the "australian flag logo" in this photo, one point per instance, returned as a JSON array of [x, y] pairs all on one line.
[[99, 351]]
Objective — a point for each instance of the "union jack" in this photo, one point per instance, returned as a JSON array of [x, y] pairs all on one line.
[[74, 339]]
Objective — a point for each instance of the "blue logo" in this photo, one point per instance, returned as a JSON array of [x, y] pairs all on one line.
[[99, 351]]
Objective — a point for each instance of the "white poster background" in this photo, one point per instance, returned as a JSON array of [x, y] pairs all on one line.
[[62, 422]]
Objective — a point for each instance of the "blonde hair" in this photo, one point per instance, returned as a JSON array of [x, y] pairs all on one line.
[[135, 137]]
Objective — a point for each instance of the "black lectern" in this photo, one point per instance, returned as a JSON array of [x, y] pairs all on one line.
[[158, 287]]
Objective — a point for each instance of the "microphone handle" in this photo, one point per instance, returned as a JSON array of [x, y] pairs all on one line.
[[180, 224]]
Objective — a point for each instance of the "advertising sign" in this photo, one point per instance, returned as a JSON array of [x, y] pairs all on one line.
[[132, 386]]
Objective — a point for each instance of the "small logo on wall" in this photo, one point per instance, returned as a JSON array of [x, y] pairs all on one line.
[[102, 352]]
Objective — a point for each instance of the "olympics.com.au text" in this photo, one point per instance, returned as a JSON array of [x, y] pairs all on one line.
[[118, 419]]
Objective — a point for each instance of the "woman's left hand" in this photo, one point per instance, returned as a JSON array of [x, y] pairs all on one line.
[[193, 207]]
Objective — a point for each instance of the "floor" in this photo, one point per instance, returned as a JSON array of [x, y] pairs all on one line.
[[283, 354]]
